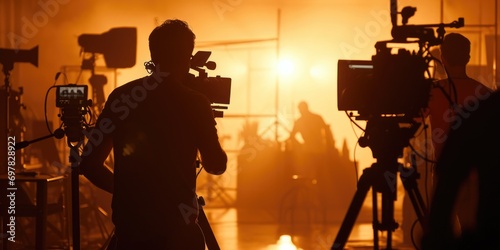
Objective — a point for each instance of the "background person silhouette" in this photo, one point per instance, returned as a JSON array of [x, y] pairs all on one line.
[[453, 97], [312, 129]]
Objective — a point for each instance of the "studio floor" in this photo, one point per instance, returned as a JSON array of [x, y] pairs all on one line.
[[240, 229], [236, 228], [309, 221]]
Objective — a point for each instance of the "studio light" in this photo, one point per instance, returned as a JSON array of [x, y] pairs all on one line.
[[118, 46], [10, 56]]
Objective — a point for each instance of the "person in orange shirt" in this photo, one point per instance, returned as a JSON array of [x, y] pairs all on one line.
[[451, 104], [454, 98]]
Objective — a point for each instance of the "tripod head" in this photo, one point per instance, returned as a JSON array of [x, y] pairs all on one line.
[[388, 136]]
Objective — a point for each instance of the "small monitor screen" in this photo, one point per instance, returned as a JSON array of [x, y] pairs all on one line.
[[354, 78], [71, 95]]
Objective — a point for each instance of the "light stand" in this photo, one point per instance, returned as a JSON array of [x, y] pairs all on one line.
[[97, 82], [7, 58], [118, 47], [73, 124], [6, 70]]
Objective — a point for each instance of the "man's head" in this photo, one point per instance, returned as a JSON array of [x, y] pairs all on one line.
[[455, 50], [171, 45], [303, 107]]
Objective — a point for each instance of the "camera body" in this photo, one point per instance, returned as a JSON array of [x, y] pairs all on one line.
[[388, 84], [71, 95], [392, 84], [217, 89]]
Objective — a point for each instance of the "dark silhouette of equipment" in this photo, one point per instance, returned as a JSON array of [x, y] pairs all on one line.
[[74, 107], [217, 89], [210, 240], [74, 123], [118, 47], [386, 139], [405, 82], [7, 58], [10, 56]]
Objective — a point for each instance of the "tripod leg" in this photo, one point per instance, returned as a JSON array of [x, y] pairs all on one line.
[[75, 203], [411, 187], [354, 208], [210, 239], [375, 221], [388, 222]]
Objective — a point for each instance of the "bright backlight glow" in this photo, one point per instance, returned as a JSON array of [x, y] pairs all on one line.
[[322, 72], [286, 67], [318, 71], [285, 243]]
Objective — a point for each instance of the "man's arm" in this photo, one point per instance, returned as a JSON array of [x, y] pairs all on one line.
[[293, 132], [214, 162], [213, 157], [92, 164]]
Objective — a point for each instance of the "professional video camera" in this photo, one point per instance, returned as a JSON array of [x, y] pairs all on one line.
[[392, 83], [72, 101], [389, 91], [217, 89]]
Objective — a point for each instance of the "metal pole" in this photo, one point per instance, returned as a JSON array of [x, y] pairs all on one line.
[[277, 75]]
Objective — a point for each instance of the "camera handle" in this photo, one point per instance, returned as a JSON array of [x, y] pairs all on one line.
[[58, 134]]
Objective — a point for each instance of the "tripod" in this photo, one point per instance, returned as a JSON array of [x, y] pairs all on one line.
[[210, 240], [386, 138], [72, 118]]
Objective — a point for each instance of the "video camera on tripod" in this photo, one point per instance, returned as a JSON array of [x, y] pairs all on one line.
[[217, 89], [389, 91]]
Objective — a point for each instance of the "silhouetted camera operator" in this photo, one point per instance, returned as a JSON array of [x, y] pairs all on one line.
[[156, 127]]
